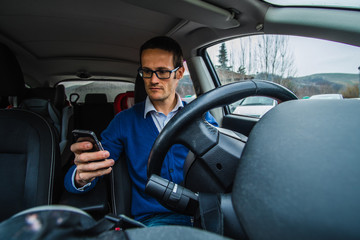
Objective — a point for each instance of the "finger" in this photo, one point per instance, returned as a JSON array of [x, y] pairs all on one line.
[[86, 157], [80, 147], [95, 166], [86, 177]]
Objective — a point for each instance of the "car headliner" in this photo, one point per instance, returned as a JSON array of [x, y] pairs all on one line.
[[57, 40]]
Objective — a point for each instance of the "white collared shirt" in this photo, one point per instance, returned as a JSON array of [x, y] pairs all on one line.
[[159, 118]]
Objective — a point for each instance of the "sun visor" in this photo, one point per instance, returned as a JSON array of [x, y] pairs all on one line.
[[193, 10]]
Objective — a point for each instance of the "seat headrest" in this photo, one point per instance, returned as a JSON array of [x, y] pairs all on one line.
[[46, 93], [60, 97], [11, 76], [95, 98], [55, 95], [140, 92]]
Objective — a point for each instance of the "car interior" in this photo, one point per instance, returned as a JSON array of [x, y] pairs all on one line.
[[291, 173]]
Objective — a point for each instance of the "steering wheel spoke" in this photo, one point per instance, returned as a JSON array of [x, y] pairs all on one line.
[[216, 165], [206, 137]]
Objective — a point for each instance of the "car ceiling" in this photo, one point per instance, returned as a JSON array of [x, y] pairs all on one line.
[[61, 39], [58, 39]]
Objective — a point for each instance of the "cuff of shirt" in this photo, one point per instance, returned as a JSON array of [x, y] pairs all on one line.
[[81, 189]]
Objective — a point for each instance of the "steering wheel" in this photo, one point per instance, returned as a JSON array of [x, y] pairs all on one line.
[[211, 144]]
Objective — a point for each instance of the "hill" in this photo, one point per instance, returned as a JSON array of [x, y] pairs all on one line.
[[338, 80], [324, 83]]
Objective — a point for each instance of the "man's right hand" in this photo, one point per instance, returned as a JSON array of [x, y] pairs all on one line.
[[86, 169]]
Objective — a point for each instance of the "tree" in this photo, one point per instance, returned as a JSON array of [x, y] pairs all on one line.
[[241, 70], [351, 91], [274, 58], [223, 57], [266, 57]]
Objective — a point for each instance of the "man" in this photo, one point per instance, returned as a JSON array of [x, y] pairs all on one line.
[[134, 131]]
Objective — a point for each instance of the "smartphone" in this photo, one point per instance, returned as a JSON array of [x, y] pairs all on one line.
[[90, 136]]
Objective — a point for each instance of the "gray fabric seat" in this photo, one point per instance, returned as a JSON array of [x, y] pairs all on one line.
[[47, 101], [29, 162], [29, 149], [305, 183]]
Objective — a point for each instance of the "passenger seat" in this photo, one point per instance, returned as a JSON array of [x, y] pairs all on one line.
[[48, 102], [41, 100], [51, 103], [29, 150]]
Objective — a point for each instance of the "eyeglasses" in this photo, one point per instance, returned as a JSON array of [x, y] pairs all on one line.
[[161, 74]]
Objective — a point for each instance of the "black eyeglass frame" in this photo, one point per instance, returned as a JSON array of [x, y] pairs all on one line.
[[140, 71]]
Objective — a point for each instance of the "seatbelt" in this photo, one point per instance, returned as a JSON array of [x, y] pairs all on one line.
[[211, 217]]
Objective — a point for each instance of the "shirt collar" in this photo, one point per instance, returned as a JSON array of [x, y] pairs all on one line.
[[149, 107]]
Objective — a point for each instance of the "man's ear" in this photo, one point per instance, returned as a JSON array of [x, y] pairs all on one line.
[[180, 72]]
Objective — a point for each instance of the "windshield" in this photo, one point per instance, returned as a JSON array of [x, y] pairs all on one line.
[[306, 66], [355, 4]]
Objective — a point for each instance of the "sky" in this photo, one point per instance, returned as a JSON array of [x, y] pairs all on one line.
[[311, 56], [319, 56]]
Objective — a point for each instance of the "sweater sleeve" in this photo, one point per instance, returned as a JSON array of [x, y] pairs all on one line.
[[208, 117], [111, 137], [211, 119]]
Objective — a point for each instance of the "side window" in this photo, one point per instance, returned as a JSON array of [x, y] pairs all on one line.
[[186, 88], [311, 68]]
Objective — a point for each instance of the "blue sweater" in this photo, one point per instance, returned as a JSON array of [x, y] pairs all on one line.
[[129, 132]]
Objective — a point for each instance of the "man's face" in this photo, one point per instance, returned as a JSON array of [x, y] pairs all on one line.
[[160, 89]]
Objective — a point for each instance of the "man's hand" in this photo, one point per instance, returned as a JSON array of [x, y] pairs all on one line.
[[87, 169]]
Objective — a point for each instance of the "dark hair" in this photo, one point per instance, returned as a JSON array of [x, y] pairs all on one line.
[[167, 44]]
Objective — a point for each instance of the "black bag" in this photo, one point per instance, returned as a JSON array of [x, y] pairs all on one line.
[[63, 222]]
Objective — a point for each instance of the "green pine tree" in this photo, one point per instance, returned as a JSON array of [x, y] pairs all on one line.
[[242, 70], [223, 59]]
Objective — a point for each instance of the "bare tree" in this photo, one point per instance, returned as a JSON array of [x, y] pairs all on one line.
[[270, 58], [243, 58], [287, 66], [267, 56], [351, 91], [274, 59]]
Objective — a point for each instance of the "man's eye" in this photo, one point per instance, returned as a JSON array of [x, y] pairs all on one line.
[[162, 71], [147, 71]]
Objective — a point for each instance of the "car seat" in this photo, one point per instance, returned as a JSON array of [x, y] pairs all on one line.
[[40, 100], [119, 178], [124, 101], [49, 102], [29, 149], [10, 69], [140, 92], [29, 161]]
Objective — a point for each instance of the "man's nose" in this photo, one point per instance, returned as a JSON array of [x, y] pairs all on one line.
[[154, 79]]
